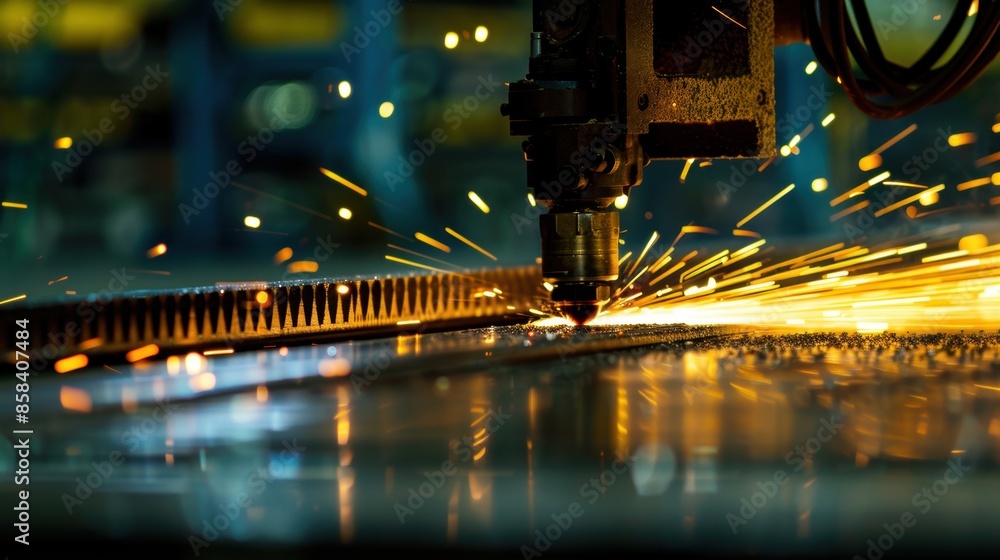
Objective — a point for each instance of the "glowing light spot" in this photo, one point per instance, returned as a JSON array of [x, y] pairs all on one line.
[[157, 251], [811, 67], [973, 242], [870, 162], [344, 89], [194, 363], [996, 128], [481, 34], [345, 213], [866, 327], [479, 202], [450, 40], [829, 119], [962, 139], [785, 151], [974, 8], [343, 290], [929, 198], [202, 382], [996, 179], [219, 352], [262, 298], [74, 399], [64, 143], [17, 205], [794, 141], [337, 367], [261, 393], [300, 267], [820, 185], [408, 322], [531, 199], [621, 202], [72, 363], [142, 353], [549, 287], [386, 109], [283, 255], [252, 222]]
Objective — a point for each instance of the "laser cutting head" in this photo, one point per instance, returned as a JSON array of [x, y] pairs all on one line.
[[614, 84]]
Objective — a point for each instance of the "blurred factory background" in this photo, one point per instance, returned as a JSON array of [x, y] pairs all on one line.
[[187, 139]]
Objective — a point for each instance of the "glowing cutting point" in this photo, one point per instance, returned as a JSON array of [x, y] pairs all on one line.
[[621, 202]]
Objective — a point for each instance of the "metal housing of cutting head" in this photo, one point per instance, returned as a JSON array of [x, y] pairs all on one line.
[[614, 84]]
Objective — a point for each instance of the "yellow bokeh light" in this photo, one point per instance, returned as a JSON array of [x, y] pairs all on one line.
[[345, 213], [621, 202], [252, 222], [482, 33], [64, 143], [386, 109], [450, 40], [344, 89], [820, 185]]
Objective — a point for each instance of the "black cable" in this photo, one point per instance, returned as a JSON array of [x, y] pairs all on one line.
[[885, 89]]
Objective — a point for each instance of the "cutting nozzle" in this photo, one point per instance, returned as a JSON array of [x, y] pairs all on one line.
[[580, 259]]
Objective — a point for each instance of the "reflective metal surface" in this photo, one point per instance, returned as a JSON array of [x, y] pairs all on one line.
[[527, 441]]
